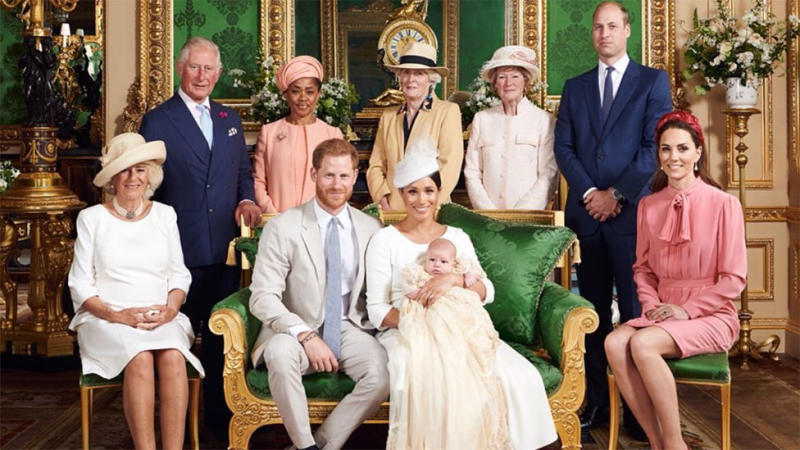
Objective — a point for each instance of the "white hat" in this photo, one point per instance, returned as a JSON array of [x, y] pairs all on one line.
[[126, 150], [512, 56], [418, 55], [419, 162]]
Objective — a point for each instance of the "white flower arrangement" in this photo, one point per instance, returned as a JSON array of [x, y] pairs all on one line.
[[268, 104], [484, 96], [8, 174], [749, 48]]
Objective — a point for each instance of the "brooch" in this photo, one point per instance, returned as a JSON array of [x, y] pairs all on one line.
[[233, 131], [223, 114], [281, 136]]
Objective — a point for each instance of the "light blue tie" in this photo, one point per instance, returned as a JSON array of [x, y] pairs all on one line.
[[332, 326], [205, 125], [608, 93]]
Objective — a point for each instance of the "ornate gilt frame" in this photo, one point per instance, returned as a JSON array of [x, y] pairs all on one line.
[[525, 21], [11, 135], [658, 40], [153, 85]]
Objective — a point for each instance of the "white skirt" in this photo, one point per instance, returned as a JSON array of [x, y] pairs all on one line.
[[106, 348]]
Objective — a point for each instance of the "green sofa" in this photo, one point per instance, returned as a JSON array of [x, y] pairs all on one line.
[[542, 320]]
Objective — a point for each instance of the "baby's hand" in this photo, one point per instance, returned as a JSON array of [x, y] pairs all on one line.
[[470, 279]]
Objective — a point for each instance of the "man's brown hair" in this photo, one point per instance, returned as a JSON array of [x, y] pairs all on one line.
[[334, 147]]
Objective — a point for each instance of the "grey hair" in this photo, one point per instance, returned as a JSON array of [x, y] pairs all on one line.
[[155, 175], [193, 42], [433, 77]]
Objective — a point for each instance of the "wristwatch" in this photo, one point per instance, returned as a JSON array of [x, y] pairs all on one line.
[[616, 194]]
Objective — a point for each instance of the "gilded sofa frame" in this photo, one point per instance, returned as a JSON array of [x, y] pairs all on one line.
[[251, 412]]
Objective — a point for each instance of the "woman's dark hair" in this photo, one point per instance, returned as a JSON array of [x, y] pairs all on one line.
[[437, 180], [659, 180]]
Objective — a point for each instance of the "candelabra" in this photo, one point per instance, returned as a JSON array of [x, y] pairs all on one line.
[[745, 347], [40, 196]]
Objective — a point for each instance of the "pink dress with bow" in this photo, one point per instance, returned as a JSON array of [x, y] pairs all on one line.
[[690, 251]]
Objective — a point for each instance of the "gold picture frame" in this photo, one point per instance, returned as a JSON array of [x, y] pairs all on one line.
[[525, 21]]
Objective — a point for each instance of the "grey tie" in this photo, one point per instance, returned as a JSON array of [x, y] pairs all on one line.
[[205, 125], [332, 327], [608, 93]]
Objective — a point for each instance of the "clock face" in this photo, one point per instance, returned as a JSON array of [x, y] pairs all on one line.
[[400, 33], [400, 40]]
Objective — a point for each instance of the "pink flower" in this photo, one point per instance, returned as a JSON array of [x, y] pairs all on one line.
[[223, 114]]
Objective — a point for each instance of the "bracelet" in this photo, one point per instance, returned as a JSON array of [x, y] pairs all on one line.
[[308, 337]]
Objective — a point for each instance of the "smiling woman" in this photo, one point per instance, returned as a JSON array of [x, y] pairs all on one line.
[[282, 161], [128, 283]]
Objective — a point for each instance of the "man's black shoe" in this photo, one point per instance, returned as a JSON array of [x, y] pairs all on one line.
[[593, 416], [633, 427], [313, 447]]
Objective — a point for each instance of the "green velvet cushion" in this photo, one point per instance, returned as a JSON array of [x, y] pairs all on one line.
[[551, 375], [518, 258], [92, 379], [318, 385], [555, 304], [239, 301], [707, 367]]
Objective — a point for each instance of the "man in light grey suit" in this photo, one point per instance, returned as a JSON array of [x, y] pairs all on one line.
[[308, 290]]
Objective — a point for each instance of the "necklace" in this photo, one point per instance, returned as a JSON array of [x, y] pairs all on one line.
[[128, 214]]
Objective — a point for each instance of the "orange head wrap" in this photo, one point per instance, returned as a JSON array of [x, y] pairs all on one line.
[[298, 67]]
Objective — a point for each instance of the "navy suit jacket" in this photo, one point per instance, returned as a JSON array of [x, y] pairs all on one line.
[[203, 186], [621, 153]]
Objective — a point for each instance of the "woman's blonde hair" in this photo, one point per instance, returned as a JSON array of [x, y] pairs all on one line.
[[155, 175]]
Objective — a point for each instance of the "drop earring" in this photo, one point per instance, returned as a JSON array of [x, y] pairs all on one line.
[[695, 166]]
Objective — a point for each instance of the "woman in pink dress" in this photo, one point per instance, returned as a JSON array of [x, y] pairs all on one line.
[[690, 262], [282, 160]]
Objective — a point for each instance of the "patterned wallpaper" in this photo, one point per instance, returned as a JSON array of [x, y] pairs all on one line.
[[12, 101], [481, 32], [569, 39], [232, 24]]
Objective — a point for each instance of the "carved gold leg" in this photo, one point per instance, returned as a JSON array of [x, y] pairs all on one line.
[[51, 256], [8, 288], [725, 400], [613, 413]]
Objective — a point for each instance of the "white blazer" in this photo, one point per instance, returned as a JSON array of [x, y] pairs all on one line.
[[510, 162]]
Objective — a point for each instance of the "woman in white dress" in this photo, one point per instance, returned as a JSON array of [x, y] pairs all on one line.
[[509, 162], [128, 282], [390, 251]]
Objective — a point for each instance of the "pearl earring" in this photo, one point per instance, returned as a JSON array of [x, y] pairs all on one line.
[[695, 166]]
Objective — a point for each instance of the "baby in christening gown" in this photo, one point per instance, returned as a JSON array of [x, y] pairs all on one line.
[[445, 392]]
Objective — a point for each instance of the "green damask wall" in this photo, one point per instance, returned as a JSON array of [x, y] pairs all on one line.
[[12, 100], [569, 39], [232, 24], [481, 32], [306, 28]]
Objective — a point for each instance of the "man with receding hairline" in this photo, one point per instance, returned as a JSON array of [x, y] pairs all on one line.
[[208, 180], [605, 148]]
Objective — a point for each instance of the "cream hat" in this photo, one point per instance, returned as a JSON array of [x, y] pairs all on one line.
[[126, 150], [418, 55], [512, 56], [419, 161]]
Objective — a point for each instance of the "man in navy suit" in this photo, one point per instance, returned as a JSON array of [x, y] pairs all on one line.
[[208, 180], [605, 148]]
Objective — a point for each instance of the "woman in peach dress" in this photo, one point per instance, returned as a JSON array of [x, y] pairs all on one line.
[[282, 160], [690, 262]]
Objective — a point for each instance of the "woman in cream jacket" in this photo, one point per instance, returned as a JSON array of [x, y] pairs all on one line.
[[510, 162]]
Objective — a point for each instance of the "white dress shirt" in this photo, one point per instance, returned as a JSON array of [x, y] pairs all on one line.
[[192, 105], [616, 78], [348, 253]]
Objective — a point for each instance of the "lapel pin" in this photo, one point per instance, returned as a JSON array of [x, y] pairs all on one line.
[[233, 131]]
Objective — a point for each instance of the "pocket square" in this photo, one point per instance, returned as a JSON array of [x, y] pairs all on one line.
[[233, 131]]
